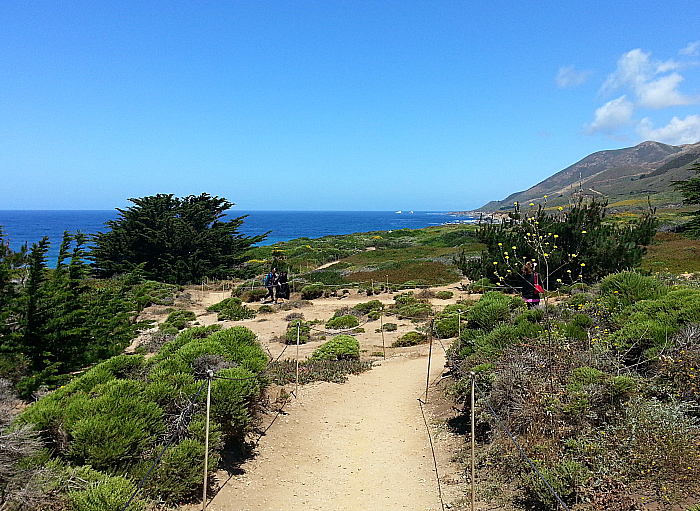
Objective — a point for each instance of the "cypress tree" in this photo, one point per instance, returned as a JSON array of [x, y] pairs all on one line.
[[173, 240]]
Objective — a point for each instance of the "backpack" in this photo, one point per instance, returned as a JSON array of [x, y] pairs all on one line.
[[538, 287]]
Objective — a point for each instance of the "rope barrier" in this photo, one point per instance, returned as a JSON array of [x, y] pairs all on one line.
[[432, 448]]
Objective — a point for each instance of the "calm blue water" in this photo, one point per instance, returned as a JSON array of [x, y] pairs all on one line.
[[30, 226]]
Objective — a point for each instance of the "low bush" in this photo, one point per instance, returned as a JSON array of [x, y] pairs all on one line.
[[408, 306], [627, 287], [390, 327], [333, 371], [254, 295], [444, 295], [109, 493], [492, 309], [342, 322], [231, 309], [340, 347], [646, 325], [367, 307], [311, 291], [409, 339], [303, 335], [178, 320]]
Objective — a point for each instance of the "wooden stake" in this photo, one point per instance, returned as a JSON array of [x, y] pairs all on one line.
[[210, 375], [473, 448]]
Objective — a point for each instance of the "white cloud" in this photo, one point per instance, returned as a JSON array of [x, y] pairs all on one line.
[[569, 77], [692, 50], [636, 72], [662, 93], [676, 132], [612, 115]]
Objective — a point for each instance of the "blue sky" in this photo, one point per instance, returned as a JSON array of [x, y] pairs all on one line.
[[334, 105]]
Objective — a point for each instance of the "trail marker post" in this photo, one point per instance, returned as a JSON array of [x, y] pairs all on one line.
[[430, 354], [473, 375], [210, 376], [381, 329], [297, 386]]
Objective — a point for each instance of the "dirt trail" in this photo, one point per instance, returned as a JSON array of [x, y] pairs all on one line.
[[360, 445], [356, 446]]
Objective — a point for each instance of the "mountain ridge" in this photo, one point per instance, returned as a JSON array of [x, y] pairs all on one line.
[[616, 174]]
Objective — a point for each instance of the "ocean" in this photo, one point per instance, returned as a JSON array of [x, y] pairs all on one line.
[[19, 226]]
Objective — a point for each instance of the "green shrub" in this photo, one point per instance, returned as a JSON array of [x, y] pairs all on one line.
[[254, 295], [567, 478], [647, 324], [232, 309], [340, 347], [408, 306], [447, 328], [266, 309], [178, 320], [367, 307], [112, 426], [390, 327], [444, 295], [345, 322], [224, 304], [311, 291], [409, 339], [492, 309], [110, 493], [178, 475], [290, 336], [627, 287], [531, 316]]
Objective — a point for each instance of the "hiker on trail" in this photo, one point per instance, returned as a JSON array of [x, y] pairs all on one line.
[[531, 284], [282, 292], [270, 284]]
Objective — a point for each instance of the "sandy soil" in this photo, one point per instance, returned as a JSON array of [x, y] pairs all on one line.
[[361, 445]]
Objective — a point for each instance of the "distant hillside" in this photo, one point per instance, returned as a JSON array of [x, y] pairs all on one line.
[[635, 172]]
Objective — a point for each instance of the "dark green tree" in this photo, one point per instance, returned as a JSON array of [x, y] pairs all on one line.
[[173, 240], [8, 295], [568, 246], [690, 189]]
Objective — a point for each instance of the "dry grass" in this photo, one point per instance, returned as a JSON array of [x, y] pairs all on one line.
[[673, 253]]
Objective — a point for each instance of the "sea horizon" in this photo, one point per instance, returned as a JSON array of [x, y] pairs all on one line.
[[29, 226]]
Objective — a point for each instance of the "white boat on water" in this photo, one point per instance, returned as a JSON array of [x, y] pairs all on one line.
[[398, 212]]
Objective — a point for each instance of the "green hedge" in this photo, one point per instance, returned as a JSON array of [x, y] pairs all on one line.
[[341, 347]]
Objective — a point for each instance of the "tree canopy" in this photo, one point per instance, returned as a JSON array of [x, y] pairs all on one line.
[[572, 245], [690, 189], [173, 240]]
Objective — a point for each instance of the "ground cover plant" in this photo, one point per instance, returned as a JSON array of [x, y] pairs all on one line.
[[231, 309], [115, 418], [599, 390], [340, 347]]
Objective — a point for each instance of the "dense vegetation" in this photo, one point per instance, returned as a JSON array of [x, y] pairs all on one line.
[[690, 190], [114, 420], [174, 240], [600, 391], [571, 245], [54, 321]]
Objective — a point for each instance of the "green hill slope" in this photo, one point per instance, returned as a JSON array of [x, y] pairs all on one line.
[[621, 174]]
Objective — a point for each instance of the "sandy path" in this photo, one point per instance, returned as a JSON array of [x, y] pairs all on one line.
[[356, 446]]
